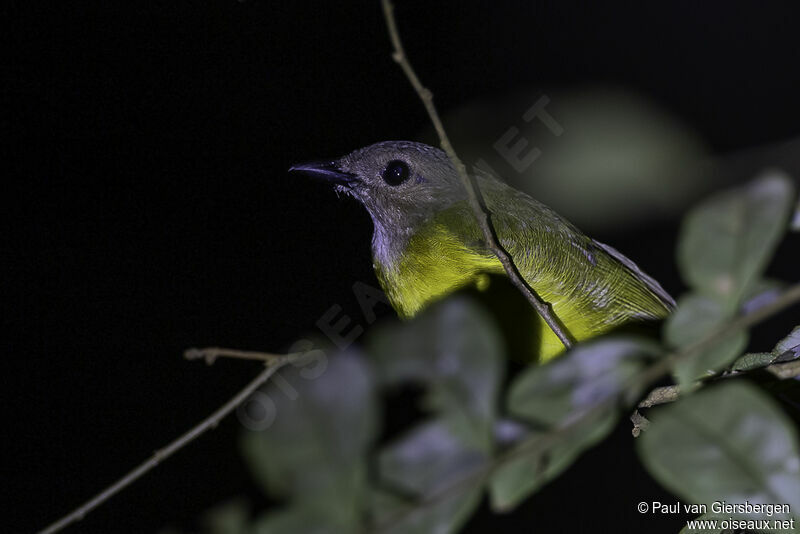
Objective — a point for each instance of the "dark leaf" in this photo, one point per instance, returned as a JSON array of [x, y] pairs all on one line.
[[443, 515], [455, 350], [299, 519], [323, 427], [696, 317], [227, 518], [727, 241], [438, 471], [428, 459], [787, 349], [589, 374], [557, 395], [726, 443], [790, 343], [753, 360], [518, 478]]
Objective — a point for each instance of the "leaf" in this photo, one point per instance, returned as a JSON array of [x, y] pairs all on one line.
[[589, 374], [455, 350], [323, 427], [445, 515], [431, 463], [429, 458], [728, 443], [227, 518], [762, 292], [790, 343], [753, 360], [556, 395], [727, 241], [507, 431], [517, 479], [695, 317], [795, 224], [787, 349], [301, 519]]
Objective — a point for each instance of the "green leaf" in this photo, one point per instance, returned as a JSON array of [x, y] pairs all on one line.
[[443, 515], [753, 360], [589, 374], [517, 479], [727, 241], [301, 519], [787, 349], [323, 427], [762, 292], [455, 349], [556, 395], [228, 518], [695, 317], [427, 459], [728, 443], [790, 343], [431, 463]]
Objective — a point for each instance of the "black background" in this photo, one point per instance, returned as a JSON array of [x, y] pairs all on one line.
[[149, 210]]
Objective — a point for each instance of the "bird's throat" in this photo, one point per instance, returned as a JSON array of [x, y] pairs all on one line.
[[432, 264]]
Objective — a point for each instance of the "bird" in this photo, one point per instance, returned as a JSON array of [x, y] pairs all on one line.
[[427, 244]]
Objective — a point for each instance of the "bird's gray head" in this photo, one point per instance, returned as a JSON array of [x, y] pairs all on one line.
[[401, 183]]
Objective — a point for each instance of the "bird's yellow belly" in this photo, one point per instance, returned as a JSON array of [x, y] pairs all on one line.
[[425, 277], [589, 299]]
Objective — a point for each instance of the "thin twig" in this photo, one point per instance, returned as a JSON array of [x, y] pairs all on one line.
[[210, 354], [666, 394], [657, 396], [638, 384], [786, 370], [160, 455], [640, 423], [543, 308]]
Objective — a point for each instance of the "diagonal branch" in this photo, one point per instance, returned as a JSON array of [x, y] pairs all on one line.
[[210, 355], [473, 194], [274, 363]]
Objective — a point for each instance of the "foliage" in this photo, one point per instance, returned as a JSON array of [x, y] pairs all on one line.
[[723, 439], [757, 457]]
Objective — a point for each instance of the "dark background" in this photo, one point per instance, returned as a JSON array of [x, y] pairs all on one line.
[[149, 210]]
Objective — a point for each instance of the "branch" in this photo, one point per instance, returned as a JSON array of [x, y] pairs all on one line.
[[543, 308], [665, 394], [784, 371], [210, 355], [274, 363], [640, 423]]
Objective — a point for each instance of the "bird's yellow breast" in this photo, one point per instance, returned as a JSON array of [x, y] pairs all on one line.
[[437, 263], [434, 264], [588, 301]]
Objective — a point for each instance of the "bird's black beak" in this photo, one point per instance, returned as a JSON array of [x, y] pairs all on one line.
[[324, 170]]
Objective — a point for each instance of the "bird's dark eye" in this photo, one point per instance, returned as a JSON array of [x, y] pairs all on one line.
[[396, 172]]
